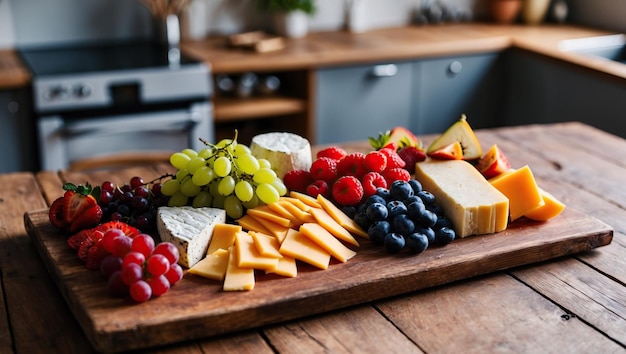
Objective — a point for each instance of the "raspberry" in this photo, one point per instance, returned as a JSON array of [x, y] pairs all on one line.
[[333, 152], [393, 159], [316, 188], [347, 190], [396, 174], [376, 161], [297, 180], [411, 155], [91, 239], [371, 181], [352, 165], [324, 168]]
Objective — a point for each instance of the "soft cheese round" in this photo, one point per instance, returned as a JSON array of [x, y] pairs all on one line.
[[285, 151]]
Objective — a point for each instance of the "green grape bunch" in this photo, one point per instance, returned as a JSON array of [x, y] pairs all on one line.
[[225, 175]]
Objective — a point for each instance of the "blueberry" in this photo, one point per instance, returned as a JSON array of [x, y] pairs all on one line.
[[361, 208], [383, 192], [442, 221], [427, 197], [378, 230], [375, 198], [445, 235], [400, 190], [415, 210], [415, 185], [394, 242], [376, 212], [417, 243], [402, 224], [435, 208], [427, 219], [412, 199], [362, 220], [426, 231], [349, 210], [395, 207]]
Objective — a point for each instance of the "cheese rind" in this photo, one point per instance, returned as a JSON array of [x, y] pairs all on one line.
[[471, 203], [285, 151], [189, 229]]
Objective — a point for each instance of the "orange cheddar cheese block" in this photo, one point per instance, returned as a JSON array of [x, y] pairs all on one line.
[[301, 247], [301, 215], [213, 266], [264, 212], [306, 199], [223, 237], [266, 245], [237, 278], [273, 228], [551, 208], [286, 267], [521, 188], [249, 223], [327, 241], [341, 217], [471, 203], [249, 257], [332, 226]]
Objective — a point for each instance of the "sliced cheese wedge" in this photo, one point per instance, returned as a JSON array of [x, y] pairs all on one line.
[[551, 208], [213, 266], [223, 237], [300, 247], [250, 223], [332, 226], [341, 217], [327, 241], [471, 203], [267, 245], [521, 188], [248, 255], [237, 278]]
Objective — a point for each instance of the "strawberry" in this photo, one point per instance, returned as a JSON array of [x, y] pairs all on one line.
[[347, 190], [376, 161], [92, 237], [333, 152], [371, 181], [324, 168], [396, 174], [128, 230], [297, 180], [352, 165], [393, 159], [411, 155], [317, 187], [95, 255], [77, 209], [55, 214]]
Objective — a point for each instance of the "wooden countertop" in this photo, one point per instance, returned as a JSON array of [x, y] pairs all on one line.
[[336, 48], [571, 304]]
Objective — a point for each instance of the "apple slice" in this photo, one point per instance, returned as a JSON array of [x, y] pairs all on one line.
[[493, 163], [404, 137], [462, 132], [452, 151]]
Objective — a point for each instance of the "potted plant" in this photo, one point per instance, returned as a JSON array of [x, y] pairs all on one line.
[[290, 16]]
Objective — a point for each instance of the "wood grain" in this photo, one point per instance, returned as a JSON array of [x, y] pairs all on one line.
[[202, 309]]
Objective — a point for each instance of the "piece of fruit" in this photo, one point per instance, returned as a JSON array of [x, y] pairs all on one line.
[[393, 159], [376, 161], [297, 180], [352, 164], [453, 151], [462, 132], [396, 138], [493, 162], [347, 190], [395, 174], [324, 168], [334, 152], [411, 155], [76, 210]]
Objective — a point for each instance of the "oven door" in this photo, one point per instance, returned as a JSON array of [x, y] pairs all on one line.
[[63, 141]]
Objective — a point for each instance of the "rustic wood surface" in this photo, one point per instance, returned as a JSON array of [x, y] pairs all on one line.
[[570, 304]]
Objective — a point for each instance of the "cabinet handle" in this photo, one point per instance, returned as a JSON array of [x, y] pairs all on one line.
[[384, 70], [455, 67]]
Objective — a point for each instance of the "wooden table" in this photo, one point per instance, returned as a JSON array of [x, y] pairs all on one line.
[[571, 304]]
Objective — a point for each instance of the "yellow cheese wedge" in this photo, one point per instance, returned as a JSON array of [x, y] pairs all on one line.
[[274, 229], [249, 223], [471, 203], [301, 247], [306, 199], [213, 266], [303, 216], [332, 226], [266, 245], [264, 212], [551, 208], [280, 210], [341, 217], [521, 189], [296, 202], [237, 278], [223, 237], [249, 257], [327, 241], [286, 267]]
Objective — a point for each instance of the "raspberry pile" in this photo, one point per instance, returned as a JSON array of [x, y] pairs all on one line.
[[348, 178]]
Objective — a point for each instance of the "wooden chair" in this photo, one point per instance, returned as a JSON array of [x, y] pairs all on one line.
[[120, 160]]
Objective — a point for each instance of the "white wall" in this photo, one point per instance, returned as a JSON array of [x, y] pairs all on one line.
[[7, 37]]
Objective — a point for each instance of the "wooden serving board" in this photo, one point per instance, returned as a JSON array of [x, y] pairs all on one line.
[[197, 307]]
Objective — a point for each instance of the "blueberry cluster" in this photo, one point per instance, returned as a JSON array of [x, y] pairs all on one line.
[[404, 216]]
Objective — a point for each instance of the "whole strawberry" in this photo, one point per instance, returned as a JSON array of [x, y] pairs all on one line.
[[76, 210], [411, 155]]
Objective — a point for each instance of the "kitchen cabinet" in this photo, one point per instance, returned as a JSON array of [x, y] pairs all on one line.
[[18, 144], [354, 102], [447, 87], [545, 90]]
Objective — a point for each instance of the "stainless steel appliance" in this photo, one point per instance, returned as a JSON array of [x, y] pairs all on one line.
[[105, 99]]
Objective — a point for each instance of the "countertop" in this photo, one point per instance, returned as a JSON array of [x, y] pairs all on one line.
[[321, 49], [572, 304]]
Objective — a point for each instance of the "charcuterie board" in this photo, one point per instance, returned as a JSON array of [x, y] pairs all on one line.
[[197, 307]]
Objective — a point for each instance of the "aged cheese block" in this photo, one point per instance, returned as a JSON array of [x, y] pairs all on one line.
[[213, 266], [190, 229], [471, 203], [285, 151], [521, 188]]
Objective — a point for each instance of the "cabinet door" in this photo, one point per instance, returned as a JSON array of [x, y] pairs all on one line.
[[451, 86], [353, 103], [18, 143]]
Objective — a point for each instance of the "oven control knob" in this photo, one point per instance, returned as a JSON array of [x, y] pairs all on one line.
[[58, 92], [82, 90]]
